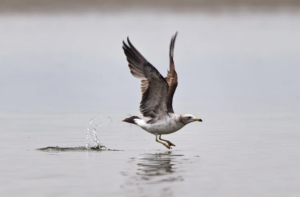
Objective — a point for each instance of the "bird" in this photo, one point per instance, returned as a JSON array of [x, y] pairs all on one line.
[[157, 95]]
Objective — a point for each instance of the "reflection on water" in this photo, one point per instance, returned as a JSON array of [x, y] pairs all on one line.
[[156, 167], [155, 174]]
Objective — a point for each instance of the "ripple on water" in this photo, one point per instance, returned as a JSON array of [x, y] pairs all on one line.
[[79, 148]]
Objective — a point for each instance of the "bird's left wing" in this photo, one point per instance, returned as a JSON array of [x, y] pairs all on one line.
[[171, 77], [154, 86]]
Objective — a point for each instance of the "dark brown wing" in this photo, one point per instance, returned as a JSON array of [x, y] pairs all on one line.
[[154, 87], [171, 77]]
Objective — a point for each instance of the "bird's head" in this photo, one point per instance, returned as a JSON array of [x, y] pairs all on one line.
[[188, 118]]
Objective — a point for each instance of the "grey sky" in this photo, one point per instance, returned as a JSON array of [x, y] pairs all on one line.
[[75, 63]]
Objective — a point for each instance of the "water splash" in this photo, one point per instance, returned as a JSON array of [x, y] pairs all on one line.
[[92, 140]]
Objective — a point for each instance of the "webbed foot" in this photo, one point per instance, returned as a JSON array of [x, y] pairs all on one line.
[[170, 143]]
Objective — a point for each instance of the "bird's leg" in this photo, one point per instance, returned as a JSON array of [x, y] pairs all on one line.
[[169, 143], [162, 143]]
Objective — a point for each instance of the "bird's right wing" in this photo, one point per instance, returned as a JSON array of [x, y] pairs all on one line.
[[171, 77], [154, 86]]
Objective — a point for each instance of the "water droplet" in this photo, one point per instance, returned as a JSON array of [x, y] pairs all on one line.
[[95, 124]]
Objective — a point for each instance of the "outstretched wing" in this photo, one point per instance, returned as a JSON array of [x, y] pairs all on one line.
[[171, 77], [154, 86]]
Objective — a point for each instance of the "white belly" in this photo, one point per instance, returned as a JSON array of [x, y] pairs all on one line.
[[161, 127]]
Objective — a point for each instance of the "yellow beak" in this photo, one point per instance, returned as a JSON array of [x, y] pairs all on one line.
[[198, 119]]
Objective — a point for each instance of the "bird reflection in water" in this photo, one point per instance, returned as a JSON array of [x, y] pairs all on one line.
[[157, 167], [155, 175]]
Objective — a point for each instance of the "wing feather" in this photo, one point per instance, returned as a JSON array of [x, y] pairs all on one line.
[[154, 86], [171, 77]]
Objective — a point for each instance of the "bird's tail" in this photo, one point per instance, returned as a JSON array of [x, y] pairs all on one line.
[[131, 119]]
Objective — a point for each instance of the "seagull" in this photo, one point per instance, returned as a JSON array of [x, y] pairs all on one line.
[[157, 95]]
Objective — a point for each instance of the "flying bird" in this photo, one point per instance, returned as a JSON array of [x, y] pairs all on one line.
[[157, 95]]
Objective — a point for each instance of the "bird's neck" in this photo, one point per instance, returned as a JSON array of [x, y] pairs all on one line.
[[179, 119]]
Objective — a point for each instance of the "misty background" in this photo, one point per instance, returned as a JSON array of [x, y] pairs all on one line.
[[72, 62]]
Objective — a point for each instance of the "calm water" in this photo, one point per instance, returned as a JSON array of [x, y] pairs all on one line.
[[238, 72], [228, 155]]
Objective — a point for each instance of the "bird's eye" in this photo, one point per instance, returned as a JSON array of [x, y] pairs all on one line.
[[189, 117]]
